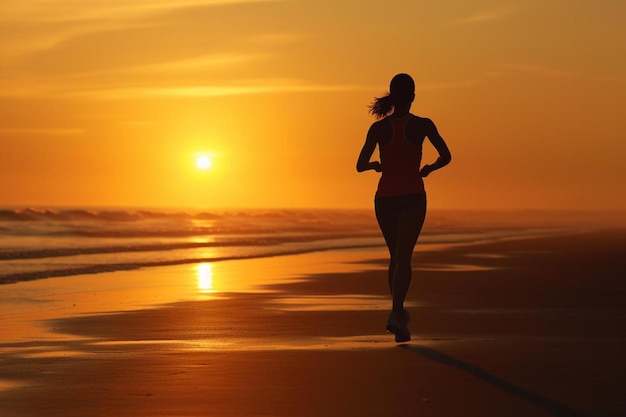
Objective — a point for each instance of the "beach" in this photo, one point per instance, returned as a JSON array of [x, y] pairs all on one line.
[[519, 326]]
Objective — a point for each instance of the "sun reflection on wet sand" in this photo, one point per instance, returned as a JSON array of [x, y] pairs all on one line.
[[7, 385], [452, 268], [348, 302], [28, 306], [245, 344], [205, 278]]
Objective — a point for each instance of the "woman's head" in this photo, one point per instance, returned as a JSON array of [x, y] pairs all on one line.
[[401, 93], [402, 88]]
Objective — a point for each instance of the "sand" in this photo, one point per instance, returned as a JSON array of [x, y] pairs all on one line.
[[528, 327]]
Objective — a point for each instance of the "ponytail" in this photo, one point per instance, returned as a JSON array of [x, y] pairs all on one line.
[[401, 92], [381, 106]]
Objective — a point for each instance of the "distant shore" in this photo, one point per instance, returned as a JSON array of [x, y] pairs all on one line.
[[522, 327]]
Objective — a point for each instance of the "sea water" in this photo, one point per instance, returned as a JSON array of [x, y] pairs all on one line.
[[37, 243]]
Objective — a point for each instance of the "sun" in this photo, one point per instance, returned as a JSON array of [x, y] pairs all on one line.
[[203, 162]]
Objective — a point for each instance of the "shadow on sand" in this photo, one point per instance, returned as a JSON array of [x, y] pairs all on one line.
[[551, 406]]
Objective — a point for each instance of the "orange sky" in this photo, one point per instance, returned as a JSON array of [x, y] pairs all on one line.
[[108, 102]]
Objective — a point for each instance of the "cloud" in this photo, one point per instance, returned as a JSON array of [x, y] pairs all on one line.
[[42, 11], [178, 35], [533, 69], [206, 91], [39, 131], [485, 16], [196, 63], [34, 25], [251, 87], [447, 85], [178, 77]]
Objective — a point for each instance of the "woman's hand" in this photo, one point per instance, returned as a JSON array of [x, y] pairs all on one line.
[[426, 169], [376, 166]]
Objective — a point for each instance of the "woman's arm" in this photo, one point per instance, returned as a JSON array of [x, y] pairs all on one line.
[[440, 145], [363, 163]]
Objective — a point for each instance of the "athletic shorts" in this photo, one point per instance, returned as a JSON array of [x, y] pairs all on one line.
[[393, 205]]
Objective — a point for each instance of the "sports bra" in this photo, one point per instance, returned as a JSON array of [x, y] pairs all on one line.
[[400, 160]]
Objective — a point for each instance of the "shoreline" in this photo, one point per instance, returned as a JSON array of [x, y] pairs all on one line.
[[427, 243], [535, 327], [84, 242]]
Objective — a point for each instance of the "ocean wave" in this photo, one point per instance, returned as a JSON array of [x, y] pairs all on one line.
[[55, 252], [122, 224], [30, 214], [293, 215], [40, 243], [66, 271]]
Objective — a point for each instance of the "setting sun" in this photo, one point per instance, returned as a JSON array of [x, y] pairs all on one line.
[[203, 162]]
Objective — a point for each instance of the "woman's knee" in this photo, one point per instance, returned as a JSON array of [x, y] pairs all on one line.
[[403, 263]]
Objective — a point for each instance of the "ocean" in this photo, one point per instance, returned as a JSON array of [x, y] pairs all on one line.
[[38, 243]]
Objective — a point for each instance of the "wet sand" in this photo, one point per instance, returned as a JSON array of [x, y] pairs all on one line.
[[531, 327]]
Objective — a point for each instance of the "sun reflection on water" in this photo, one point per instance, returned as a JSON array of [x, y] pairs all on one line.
[[204, 273]]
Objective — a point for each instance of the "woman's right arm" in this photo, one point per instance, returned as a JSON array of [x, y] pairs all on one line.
[[364, 163]]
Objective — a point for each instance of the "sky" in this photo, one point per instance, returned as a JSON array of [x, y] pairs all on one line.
[[111, 102]]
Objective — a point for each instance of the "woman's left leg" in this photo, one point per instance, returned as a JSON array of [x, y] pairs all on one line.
[[410, 222]]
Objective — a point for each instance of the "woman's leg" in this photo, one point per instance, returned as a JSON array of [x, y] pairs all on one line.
[[410, 222], [400, 222], [387, 216]]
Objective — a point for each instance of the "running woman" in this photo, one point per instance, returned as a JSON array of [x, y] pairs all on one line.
[[400, 200]]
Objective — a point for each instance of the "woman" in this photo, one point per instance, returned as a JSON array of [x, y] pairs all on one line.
[[400, 200]]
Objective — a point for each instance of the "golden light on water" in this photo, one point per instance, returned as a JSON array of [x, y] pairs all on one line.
[[205, 277]]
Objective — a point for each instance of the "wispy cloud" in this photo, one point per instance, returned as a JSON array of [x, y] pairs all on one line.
[[42, 11], [200, 91], [447, 85], [485, 16], [34, 25], [533, 69], [178, 77], [83, 87], [187, 43], [196, 63], [42, 131]]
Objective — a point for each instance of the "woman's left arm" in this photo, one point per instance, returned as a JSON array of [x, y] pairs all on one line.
[[442, 148]]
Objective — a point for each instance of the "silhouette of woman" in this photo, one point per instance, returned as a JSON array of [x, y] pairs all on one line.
[[400, 200]]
